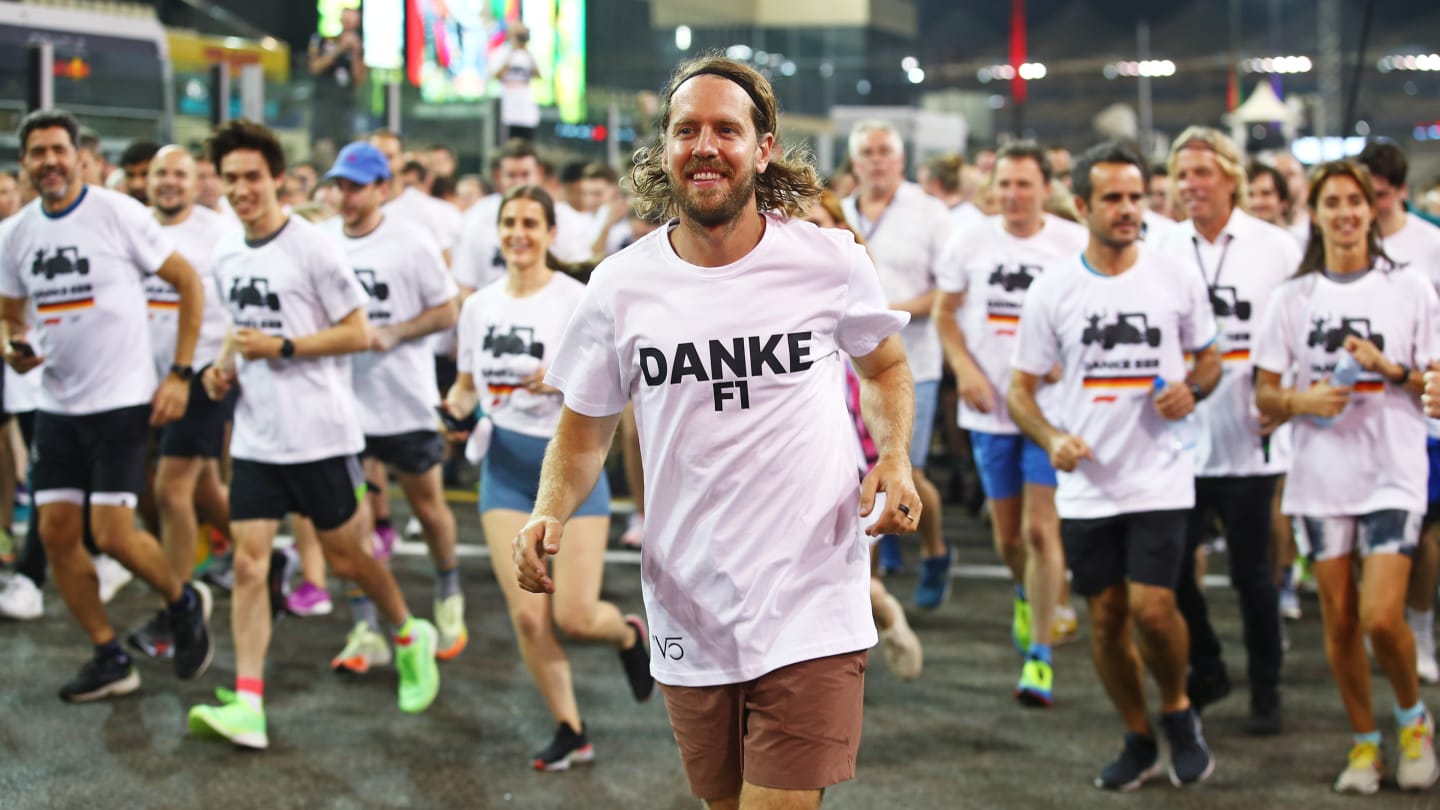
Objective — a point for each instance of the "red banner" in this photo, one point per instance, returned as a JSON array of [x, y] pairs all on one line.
[[1017, 49]]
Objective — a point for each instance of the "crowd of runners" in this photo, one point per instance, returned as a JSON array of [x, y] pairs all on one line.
[[1121, 366]]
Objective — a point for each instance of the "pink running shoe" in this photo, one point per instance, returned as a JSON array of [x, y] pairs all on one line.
[[382, 542], [308, 600]]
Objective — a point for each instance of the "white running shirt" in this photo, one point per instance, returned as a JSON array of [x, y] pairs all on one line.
[[995, 270], [403, 275], [1113, 335], [83, 272], [195, 239], [753, 557], [504, 340], [1372, 456], [295, 283]]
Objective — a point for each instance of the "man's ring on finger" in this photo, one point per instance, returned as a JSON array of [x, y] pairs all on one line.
[[904, 510]]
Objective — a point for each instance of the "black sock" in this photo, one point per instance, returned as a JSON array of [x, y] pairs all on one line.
[[382, 523], [111, 649]]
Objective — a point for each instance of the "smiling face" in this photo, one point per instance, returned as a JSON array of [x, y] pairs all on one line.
[[248, 185], [712, 154], [1265, 198], [358, 202], [52, 164], [1206, 192], [525, 234], [172, 183], [1021, 192], [1342, 213]]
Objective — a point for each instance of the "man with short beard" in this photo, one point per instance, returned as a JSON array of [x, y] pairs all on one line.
[[189, 449], [135, 161], [727, 328]]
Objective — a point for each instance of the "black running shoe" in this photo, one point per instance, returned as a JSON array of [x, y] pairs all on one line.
[[636, 661], [568, 748], [1190, 758], [1205, 688], [154, 638], [282, 564], [221, 572], [102, 677], [1139, 761], [193, 645]]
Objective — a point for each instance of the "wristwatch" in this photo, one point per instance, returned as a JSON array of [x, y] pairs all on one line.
[[1403, 378], [287, 348], [1197, 392], [183, 372]]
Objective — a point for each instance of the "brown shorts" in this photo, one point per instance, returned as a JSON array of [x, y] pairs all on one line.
[[797, 728]]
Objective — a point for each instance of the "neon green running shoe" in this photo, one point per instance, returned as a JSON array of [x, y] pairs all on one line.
[[1020, 626], [1037, 682], [419, 674], [233, 720]]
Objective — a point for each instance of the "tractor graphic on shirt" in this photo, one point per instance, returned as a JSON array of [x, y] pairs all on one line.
[[519, 340], [66, 260], [378, 290], [1226, 303], [1129, 327], [1021, 279], [255, 294], [1333, 338]]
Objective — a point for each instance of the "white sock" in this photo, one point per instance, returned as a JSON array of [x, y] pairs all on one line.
[[1422, 623]]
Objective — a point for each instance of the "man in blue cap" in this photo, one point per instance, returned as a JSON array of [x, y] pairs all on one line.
[[411, 296], [297, 309]]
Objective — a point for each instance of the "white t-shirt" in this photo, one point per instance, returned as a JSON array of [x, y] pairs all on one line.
[[907, 241], [575, 234], [753, 558], [1113, 336], [504, 340], [195, 239], [21, 390], [295, 283], [403, 275], [1300, 228], [441, 220], [517, 104], [1372, 456], [1416, 244], [84, 272], [1242, 268], [963, 217], [1155, 226], [477, 261], [995, 270]]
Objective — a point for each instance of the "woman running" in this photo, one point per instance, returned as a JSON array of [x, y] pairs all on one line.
[[507, 333], [1353, 328]]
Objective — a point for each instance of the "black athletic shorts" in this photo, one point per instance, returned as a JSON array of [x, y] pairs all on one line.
[[1143, 547], [102, 454], [200, 433], [411, 453], [326, 491]]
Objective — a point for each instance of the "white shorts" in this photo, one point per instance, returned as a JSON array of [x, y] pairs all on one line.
[[1388, 531]]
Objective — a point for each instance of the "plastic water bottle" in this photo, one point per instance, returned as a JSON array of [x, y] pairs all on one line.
[[1346, 373], [1182, 430]]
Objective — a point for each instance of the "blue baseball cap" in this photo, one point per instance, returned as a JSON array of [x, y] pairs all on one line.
[[361, 163]]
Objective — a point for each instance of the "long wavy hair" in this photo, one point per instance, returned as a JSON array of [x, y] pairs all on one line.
[[788, 183], [1314, 260]]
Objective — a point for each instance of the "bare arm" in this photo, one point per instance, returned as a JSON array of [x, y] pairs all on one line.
[[12, 327], [919, 306], [974, 386], [432, 320], [348, 336], [887, 402], [573, 463], [1280, 403], [1066, 450]]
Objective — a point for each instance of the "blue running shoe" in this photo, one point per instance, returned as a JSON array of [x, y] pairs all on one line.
[[890, 560], [934, 586]]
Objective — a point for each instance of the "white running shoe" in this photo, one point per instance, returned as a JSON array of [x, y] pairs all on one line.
[[1425, 664], [364, 648], [1364, 771], [1417, 768], [903, 653], [113, 576], [413, 529], [20, 599]]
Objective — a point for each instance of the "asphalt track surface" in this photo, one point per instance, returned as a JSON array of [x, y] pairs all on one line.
[[952, 739]]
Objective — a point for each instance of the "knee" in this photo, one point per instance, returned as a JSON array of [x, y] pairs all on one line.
[[1109, 624], [1155, 614], [573, 623], [530, 624], [112, 541], [1384, 628], [251, 569], [343, 563], [175, 497], [60, 530]]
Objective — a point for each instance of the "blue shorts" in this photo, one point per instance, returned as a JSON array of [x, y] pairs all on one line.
[[1388, 531], [927, 394], [1432, 446], [1006, 462], [510, 476]]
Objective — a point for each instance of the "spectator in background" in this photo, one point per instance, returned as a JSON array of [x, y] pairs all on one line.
[[207, 182], [9, 197], [338, 65], [1269, 197], [985, 161], [305, 177], [441, 161], [599, 187], [1059, 158], [942, 178], [569, 178], [468, 191], [1297, 219], [519, 113], [413, 175], [135, 160], [94, 168], [1160, 200], [443, 189], [843, 180]]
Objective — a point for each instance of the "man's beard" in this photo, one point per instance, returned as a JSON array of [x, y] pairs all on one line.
[[170, 210], [720, 212]]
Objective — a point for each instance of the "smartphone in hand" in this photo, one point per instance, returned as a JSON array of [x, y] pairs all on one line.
[[456, 425], [22, 348]]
